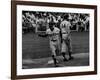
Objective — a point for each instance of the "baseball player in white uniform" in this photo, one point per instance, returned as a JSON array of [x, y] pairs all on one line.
[[54, 39], [66, 38]]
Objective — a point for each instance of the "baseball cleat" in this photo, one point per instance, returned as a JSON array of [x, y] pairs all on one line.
[[70, 58], [65, 59], [56, 65]]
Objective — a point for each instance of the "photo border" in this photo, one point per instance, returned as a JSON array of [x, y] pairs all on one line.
[[14, 39]]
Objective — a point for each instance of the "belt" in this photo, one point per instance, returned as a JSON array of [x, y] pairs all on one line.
[[64, 33], [53, 40]]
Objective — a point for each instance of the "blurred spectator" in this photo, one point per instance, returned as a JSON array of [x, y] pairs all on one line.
[[38, 21]]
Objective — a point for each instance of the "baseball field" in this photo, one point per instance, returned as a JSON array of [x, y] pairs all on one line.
[[35, 50]]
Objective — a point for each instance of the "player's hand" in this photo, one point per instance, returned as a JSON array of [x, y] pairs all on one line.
[[42, 35]]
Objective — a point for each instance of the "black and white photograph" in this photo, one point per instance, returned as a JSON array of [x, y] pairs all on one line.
[[53, 39]]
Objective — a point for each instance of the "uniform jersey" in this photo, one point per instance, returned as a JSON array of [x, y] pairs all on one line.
[[53, 35], [65, 29]]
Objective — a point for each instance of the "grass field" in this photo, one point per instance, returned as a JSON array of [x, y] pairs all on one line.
[[34, 47]]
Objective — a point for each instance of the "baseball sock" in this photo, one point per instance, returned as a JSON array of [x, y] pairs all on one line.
[[63, 54], [70, 56], [54, 59]]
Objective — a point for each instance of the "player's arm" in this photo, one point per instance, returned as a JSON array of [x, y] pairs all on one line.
[[60, 33], [69, 31], [43, 35], [46, 34]]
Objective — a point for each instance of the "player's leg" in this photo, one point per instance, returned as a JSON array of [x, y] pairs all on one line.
[[58, 47], [55, 60], [53, 49], [69, 48], [63, 51]]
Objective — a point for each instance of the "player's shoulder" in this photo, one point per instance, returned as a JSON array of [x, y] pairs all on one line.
[[48, 30], [64, 22], [57, 29]]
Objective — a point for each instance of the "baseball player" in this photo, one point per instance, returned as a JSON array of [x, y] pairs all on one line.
[[54, 39], [66, 38]]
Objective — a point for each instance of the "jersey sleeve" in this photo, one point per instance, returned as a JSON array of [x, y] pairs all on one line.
[[61, 25], [57, 30], [69, 24], [47, 31]]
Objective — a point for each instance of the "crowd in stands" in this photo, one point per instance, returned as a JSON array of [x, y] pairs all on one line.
[[38, 21]]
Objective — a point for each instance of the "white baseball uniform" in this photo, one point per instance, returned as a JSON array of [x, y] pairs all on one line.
[[54, 39], [65, 30]]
